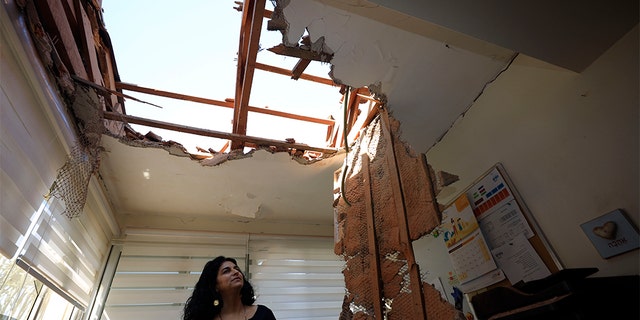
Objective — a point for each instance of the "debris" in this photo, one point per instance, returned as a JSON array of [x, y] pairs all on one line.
[[153, 137], [203, 150]]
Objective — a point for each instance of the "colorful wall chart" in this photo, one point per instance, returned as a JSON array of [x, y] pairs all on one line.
[[470, 256]]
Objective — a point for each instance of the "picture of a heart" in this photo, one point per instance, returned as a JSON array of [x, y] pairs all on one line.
[[606, 231]]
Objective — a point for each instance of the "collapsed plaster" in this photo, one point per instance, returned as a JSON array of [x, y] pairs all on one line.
[[209, 158], [354, 41]]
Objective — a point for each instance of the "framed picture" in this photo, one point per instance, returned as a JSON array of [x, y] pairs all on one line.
[[612, 234]]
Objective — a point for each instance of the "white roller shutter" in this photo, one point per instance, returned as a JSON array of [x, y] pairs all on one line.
[[297, 277], [67, 254], [158, 269], [29, 151]]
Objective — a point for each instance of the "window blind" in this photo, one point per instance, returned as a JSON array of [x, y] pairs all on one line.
[[67, 254], [15, 217], [30, 148], [158, 269], [297, 277], [23, 175]]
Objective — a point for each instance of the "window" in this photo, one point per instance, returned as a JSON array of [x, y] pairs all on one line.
[[23, 297]]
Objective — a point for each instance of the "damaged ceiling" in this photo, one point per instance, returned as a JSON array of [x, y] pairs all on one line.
[[426, 71], [261, 189]]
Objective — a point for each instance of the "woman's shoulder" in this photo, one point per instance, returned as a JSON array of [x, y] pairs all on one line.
[[263, 307], [263, 313]]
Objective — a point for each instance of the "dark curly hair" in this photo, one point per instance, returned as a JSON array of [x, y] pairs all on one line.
[[200, 305]]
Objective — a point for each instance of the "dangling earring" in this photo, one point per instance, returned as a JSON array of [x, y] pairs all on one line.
[[216, 302]]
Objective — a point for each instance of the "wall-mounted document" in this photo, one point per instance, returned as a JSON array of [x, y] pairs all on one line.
[[520, 261], [469, 253]]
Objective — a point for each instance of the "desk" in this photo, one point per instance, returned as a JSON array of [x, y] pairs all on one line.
[[563, 296]]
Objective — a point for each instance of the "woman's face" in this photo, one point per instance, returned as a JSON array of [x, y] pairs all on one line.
[[229, 277]]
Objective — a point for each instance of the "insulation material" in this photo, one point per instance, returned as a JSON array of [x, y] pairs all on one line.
[[72, 183], [391, 251], [420, 200]]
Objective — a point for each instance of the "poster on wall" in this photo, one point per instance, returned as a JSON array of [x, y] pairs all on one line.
[[470, 255]]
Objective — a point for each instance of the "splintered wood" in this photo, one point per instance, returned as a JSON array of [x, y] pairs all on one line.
[[386, 201]]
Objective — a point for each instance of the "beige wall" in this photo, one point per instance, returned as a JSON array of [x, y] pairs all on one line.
[[569, 141]]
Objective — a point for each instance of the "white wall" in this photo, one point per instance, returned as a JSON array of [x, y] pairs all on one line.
[[569, 142]]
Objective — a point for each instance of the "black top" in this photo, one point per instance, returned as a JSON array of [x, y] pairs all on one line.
[[263, 313]]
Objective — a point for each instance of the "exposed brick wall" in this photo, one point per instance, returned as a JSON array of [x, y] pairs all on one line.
[[390, 248], [437, 308]]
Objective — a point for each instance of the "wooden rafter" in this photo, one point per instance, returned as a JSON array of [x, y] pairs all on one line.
[[105, 90], [336, 133], [267, 13], [286, 72], [252, 16], [299, 68], [373, 112], [226, 104], [212, 133], [167, 94], [54, 16], [83, 48], [337, 136], [298, 52], [353, 110], [87, 44], [374, 253], [418, 307]]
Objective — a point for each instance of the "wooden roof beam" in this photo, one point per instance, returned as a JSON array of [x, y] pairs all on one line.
[[173, 95], [267, 13], [226, 104], [54, 17], [252, 16], [298, 52], [354, 110], [212, 133], [288, 73], [335, 137], [299, 68], [87, 45]]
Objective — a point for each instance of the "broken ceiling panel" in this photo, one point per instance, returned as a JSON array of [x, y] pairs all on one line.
[[261, 189]]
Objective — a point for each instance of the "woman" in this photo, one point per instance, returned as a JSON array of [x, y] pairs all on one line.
[[223, 293]]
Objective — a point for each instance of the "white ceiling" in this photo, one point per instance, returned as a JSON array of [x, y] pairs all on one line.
[[430, 75], [152, 188], [570, 34]]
